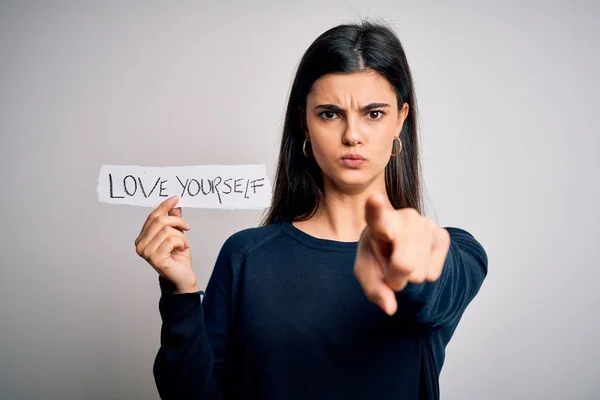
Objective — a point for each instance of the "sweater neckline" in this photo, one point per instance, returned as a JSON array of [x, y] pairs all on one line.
[[315, 242]]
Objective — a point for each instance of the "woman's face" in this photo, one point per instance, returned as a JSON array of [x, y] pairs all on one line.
[[352, 120]]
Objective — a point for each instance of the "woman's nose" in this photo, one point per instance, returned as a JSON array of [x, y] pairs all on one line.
[[351, 136]]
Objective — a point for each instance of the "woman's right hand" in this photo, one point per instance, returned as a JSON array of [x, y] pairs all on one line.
[[162, 243]]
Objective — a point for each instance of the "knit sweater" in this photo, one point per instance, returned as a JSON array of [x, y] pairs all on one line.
[[283, 317]]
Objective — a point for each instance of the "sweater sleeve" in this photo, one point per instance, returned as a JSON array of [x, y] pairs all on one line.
[[442, 303], [191, 360]]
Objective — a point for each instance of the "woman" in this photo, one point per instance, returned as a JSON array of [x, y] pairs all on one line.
[[346, 290]]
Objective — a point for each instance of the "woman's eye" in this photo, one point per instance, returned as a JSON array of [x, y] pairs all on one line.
[[377, 114], [328, 115]]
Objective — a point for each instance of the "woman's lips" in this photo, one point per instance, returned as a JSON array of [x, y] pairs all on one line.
[[353, 160]]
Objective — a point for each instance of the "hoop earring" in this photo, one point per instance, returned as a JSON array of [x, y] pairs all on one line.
[[304, 147], [399, 146]]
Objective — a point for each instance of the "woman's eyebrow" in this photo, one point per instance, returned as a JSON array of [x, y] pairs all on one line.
[[374, 105], [328, 107], [333, 107]]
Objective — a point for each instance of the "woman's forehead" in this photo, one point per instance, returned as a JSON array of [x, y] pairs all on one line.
[[358, 87]]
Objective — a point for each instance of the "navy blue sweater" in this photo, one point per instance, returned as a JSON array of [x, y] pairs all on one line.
[[283, 317]]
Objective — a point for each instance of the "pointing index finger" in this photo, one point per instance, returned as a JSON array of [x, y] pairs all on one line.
[[376, 215]]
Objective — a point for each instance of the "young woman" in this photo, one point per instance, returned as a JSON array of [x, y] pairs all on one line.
[[346, 291]]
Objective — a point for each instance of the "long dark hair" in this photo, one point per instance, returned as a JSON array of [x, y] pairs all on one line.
[[347, 48]]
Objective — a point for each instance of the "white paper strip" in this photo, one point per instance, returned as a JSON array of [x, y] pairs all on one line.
[[200, 186]]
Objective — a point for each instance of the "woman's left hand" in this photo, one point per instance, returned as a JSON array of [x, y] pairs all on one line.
[[396, 248]]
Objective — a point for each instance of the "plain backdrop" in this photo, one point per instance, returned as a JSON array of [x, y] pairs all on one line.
[[508, 95]]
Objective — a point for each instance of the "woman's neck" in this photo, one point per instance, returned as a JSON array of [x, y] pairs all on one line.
[[341, 216]]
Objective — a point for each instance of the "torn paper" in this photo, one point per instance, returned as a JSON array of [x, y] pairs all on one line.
[[199, 186]]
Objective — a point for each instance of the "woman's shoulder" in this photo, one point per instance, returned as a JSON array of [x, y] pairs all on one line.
[[248, 239], [459, 232], [466, 241]]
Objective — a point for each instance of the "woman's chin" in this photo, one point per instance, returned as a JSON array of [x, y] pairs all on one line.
[[352, 180]]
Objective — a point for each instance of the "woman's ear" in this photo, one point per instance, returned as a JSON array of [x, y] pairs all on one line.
[[402, 114]]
